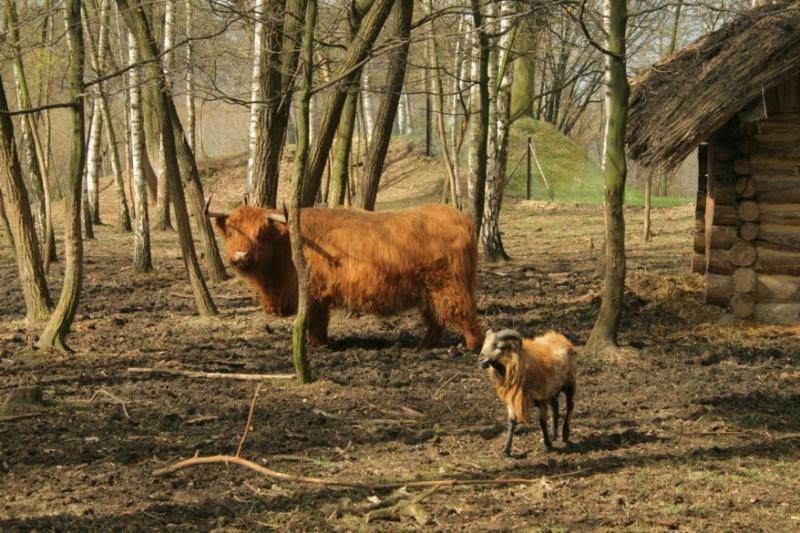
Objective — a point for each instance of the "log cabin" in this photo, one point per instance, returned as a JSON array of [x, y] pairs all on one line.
[[733, 98]]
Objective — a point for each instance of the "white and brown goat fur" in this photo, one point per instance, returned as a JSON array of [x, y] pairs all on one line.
[[528, 372]]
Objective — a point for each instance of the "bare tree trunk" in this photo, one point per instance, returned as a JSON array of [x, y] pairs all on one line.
[[340, 152], [348, 67], [255, 91], [388, 108], [191, 116], [92, 201], [97, 58], [142, 257], [433, 57], [366, 103], [606, 327], [498, 142], [19, 226], [163, 220], [455, 144], [58, 326], [301, 161], [478, 148], [166, 116], [26, 124], [277, 82], [7, 226]]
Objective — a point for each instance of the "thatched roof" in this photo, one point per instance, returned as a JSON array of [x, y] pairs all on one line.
[[682, 100]]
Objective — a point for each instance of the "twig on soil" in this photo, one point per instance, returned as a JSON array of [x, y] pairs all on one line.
[[200, 419], [207, 375], [454, 376], [227, 459], [114, 399], [12, 418], [408, 507], [218, 297], [249, 420]]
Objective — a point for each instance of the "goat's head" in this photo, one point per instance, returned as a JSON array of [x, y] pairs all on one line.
[[500, 349]]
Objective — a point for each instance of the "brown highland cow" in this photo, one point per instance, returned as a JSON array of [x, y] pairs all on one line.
[[379, 263]]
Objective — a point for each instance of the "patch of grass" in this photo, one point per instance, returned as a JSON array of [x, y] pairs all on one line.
[[572, 175]]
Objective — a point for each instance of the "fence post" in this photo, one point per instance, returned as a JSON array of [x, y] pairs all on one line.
[[528, 169]]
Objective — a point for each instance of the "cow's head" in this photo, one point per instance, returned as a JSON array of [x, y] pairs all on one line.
[[501, 350], [251, 235]]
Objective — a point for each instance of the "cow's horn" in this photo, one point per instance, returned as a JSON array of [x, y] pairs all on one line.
[[212, 214], [508, 334], [277, 218]]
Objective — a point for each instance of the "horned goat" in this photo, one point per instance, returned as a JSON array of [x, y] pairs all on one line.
[[528, 372]]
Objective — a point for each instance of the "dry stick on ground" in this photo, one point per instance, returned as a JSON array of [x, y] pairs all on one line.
[[114, 399], [11, 418], [249, 420], [180, 465], [207, 375]]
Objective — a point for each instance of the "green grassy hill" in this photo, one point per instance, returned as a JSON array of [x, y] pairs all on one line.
[[572, 175]]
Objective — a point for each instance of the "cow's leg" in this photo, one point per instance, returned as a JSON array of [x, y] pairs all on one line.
[[318, 316], [434, 329], [457, 308]]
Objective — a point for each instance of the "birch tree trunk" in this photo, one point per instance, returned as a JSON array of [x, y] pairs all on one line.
[[92, 202], [366, 103], [455, 143], [97, 57], [498, 140], [142, 257], [255, 91], [191, 115], [388, 108], [606, 327], [166, 116], [18, 220], [480, 138], [58, 326], [300, 165]]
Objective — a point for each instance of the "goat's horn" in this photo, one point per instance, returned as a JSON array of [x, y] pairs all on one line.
[[212, 214], [276, 218], [507, 334], [285, 211]]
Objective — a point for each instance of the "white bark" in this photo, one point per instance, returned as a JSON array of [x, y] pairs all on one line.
[[255, 93], [409, 120], [454, 107], [474, 122], [141, 230], [191, 115], [401, 116], [93, 161], [366, 105]]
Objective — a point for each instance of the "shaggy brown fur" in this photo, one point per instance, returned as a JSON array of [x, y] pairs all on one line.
[[379, 263], [528, 372]]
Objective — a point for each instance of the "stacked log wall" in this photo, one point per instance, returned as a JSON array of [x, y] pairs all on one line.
[[752, 213]]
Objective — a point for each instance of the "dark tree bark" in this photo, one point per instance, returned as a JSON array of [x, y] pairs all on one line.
[[19, 225], [301, 161], [483, 116], [348, 68], [165, 111], [387, 110], [57, 328], [606, 327], [276, 88]]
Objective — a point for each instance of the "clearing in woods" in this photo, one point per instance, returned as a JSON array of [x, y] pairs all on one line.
[[695, 425]]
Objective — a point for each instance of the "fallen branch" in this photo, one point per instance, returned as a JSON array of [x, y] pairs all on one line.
[[207, 375], [227, 459], [217, 297], [11, 418], [249, 420], [114, 399]]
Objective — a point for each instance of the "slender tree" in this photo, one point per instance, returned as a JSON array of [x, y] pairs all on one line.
[[255, 91], [163, 221], [57, 328], [348, 68], [165, 115], [388, 107], [18, 221], [191, 114], [142, 257], [481, 121], [301, 161], [606, 327], [7, 227]]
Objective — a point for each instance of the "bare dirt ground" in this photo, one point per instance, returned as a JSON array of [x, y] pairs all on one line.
[[694, 426]]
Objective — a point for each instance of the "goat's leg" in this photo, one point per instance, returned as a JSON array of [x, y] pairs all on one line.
[[542, 405], [554, 408], [569, 392], [512, 425]]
